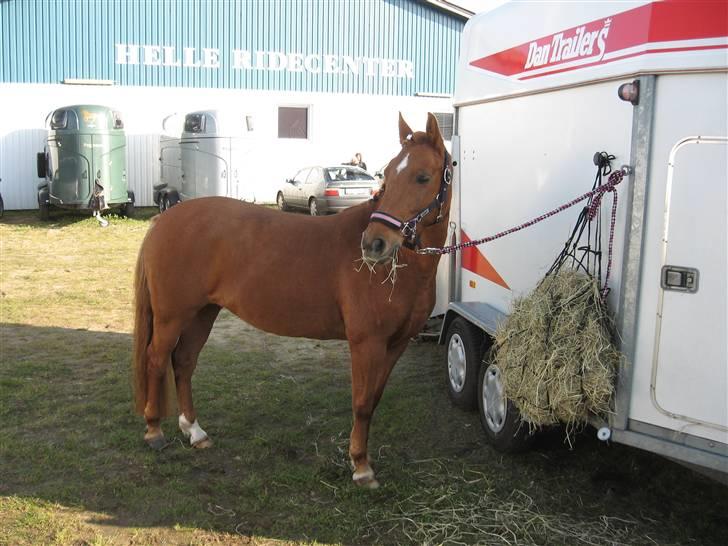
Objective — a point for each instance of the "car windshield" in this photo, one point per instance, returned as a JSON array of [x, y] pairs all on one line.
[[344, 174]]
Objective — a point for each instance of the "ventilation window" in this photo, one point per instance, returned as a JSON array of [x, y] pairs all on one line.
[[195, 123], [59, 119]]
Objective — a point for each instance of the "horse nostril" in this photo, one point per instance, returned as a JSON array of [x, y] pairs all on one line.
[[377, 246]]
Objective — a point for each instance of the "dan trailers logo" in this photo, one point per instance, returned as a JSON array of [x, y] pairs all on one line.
[[581, 44], [660, 27]]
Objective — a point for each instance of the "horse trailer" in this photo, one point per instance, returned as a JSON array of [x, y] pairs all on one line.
[[647, 83], [206, 153], [83, 166]]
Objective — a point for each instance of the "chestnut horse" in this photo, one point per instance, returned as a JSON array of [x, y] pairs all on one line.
[[293, 275]]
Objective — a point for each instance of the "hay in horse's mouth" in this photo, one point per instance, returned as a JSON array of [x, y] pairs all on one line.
[[371, 265]]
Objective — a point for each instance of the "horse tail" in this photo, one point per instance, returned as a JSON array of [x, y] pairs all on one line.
[[143, 329]]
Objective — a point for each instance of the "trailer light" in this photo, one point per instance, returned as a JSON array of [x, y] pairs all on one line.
[[471, 284], [630, 92], [331, 193]]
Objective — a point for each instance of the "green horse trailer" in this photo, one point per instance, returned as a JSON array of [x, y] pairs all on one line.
[[83, 165]]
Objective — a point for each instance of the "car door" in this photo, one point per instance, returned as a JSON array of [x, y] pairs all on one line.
[[314, 185], [298, 199]]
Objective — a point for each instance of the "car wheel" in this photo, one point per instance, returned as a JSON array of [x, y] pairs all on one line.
[[464, 355], [281, 202], [499, 417], [313, 207]]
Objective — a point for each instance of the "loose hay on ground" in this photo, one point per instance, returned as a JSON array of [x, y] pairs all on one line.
[[556, 354]]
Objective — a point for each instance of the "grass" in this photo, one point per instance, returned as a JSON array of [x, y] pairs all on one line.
[[74, 468]]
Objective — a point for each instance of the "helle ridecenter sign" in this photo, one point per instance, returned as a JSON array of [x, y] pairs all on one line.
[[277, 61]]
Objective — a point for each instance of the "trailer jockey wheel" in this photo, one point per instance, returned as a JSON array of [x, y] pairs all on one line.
[[500, 419], [127, 210], [464, 354], [44, 211]]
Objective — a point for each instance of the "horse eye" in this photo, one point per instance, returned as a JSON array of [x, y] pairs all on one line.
[[423, 178]]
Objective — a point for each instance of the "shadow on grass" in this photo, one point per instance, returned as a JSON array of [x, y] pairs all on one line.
[[278, 410]]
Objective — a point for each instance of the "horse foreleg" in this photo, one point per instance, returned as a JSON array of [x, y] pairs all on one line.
[[159, 351], [184, 361], [371, 364]]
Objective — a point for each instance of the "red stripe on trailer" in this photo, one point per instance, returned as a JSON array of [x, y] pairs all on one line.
[[660, 22], [473, 260]]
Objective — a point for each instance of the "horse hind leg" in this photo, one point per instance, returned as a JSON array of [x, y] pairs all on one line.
[[184, 361], [159, 350]]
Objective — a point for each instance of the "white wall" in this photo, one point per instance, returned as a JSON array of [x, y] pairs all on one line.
[[339, 126]]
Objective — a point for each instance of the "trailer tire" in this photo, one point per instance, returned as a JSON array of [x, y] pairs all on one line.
[[464, 344], [499, 417], [162, 202], [281, 201]]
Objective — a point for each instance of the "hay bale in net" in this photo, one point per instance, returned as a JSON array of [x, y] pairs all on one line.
[[555, 352]]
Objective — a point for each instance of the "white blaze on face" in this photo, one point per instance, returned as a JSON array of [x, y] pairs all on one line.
[[193, 430], [403, 164]]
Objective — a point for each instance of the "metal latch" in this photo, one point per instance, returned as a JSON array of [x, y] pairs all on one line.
[[681, 279]]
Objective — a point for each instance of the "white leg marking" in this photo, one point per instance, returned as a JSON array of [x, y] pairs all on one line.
[[363, 474], [403, 164], [192, 430]]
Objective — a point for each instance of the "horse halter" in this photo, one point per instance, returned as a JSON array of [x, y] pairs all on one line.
[[408, 229]]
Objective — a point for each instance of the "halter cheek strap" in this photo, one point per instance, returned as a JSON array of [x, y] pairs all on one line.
[[408, 229]]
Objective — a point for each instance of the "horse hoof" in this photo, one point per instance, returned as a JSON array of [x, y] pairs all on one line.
[[156, 442], [205, 443], [365, 479], [367, 483]]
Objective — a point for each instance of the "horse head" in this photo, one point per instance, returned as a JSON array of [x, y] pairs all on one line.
[[414, 196]]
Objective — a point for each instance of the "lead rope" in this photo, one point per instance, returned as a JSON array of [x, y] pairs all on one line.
[[597, 193]]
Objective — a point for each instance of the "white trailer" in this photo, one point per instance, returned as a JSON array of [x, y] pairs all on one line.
[[205, 153], [536, 96]]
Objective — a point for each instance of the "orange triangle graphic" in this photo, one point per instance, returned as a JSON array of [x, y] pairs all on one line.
[[474, 260]]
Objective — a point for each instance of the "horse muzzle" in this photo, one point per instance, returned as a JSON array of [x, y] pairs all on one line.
[[377, 247]]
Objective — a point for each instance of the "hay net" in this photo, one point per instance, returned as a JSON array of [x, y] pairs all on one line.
[[556, 353]]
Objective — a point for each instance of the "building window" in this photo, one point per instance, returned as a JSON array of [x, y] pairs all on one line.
[[445, 123], [292, 122]]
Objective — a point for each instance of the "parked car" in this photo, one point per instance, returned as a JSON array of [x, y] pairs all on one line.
[[322, 190]]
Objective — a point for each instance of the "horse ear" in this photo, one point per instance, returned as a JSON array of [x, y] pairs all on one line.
[[404, 130], [433, 132]]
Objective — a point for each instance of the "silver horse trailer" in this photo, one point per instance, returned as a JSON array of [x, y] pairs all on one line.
[[202, 154], [532, 107]]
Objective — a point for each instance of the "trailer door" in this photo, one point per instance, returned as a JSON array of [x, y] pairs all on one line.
[[682, 356]]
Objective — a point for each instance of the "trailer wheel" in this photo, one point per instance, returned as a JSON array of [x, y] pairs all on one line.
[[313, 207], [170, 200], [281, 201], [162, 203], [499, 417], [464, 355]]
